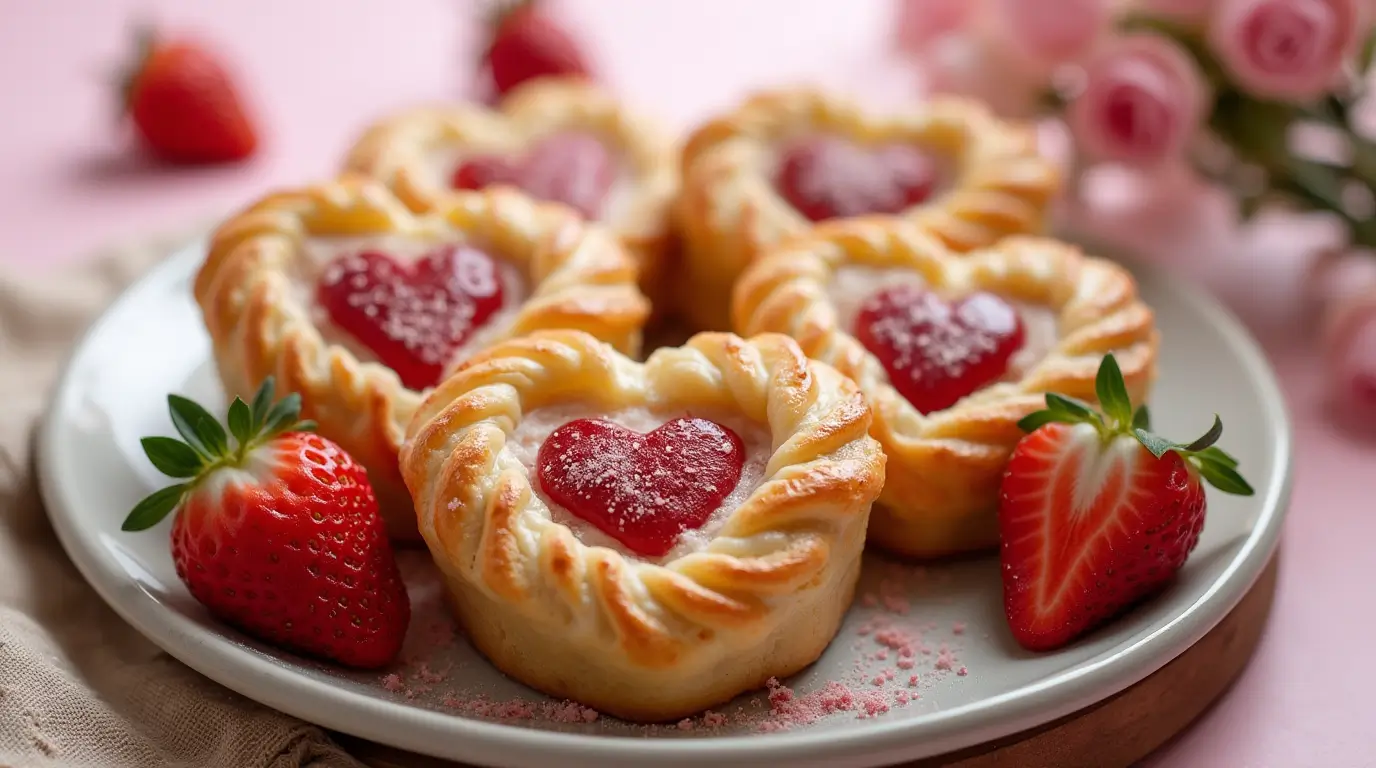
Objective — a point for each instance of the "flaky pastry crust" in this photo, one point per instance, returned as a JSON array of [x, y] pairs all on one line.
[[400, 149], [641, 640], [729, 209], [579, 277], [945, 468]]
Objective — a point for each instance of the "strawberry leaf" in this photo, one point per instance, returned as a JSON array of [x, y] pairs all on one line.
[[240, 421], [1214, 453], [262, 403], [154, 508], [213, 435], [1069, 407], [200, 429], [1060, 410], [1112, 392], [1208, 438], [1141, 419], [172, 457], [282, 415], [185, 423], [1221, 476], [1035, 421], [1156, 444]]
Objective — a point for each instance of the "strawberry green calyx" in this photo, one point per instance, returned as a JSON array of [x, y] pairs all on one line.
[[1118, 417], [206, 447], [500, 10], [496, 15], [144, 39]]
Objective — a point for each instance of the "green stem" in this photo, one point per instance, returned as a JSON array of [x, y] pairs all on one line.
[[1259, 133]]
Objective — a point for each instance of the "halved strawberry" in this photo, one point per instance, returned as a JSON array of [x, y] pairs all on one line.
[[1096, 512], [277, 531]]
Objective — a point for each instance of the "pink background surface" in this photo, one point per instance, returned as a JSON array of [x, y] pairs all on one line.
[[318, 69]]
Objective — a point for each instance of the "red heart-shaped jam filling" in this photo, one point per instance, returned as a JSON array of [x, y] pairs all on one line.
[[575, 169], [827, 177], [412, 316], [641, 489], [935, 351]]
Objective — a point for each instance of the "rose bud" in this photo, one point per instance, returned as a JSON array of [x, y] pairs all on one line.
[[1285, 49], [1143, 99]]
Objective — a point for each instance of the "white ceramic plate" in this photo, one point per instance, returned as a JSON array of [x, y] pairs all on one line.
[[446, 701]]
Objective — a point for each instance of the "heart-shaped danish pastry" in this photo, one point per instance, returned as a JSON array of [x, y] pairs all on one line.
[[605, 537], [767, 170], [357, 303], [562, 140], [952, 349], [641, 489]]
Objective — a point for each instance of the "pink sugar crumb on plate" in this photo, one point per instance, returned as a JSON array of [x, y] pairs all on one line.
[[519, 709], [392, 682], [958, 628], [962, 672], [872, 704], [945, 661], [789, 710], [427, 675]]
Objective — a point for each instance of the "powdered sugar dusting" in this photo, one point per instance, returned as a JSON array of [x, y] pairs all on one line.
[[536, 426], [852, 285], [415, 315]]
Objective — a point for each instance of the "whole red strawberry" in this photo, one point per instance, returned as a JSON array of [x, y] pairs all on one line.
[[527, 44], [1097, 513], [186, 106], [277, 531]]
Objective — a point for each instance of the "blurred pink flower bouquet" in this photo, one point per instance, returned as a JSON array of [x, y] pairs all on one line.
[[1263, 98]]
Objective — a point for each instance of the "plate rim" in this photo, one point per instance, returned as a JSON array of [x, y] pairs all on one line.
[[261, 678]]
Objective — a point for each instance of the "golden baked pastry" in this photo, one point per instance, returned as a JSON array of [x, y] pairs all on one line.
[[786, 159], [559, 139], [359, 305], [653, 538], [951, 350]]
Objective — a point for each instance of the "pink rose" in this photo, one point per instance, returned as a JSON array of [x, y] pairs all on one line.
[[1143, 100], [1051, 32], [1184, 10], [1285, 49], [1350, 356], [922, 21]]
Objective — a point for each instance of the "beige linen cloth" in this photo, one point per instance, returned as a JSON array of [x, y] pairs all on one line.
[[78, 686]]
